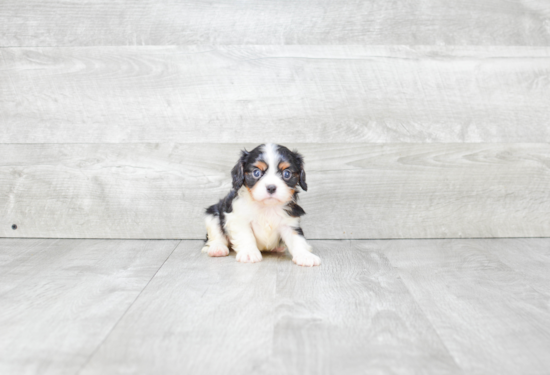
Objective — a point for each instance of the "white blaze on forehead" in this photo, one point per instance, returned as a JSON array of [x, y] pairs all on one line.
[[271, 158]]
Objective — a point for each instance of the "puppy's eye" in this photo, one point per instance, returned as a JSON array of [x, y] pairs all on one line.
[[286, 174], [256, 173]]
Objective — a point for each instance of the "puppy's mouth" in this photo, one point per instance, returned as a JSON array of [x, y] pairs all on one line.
[[271, 201]]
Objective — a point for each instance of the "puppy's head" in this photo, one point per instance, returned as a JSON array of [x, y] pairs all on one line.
[[271, 173]]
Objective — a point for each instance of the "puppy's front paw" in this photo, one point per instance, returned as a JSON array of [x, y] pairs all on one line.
[[216, 250], [306, 259], [249, 256]]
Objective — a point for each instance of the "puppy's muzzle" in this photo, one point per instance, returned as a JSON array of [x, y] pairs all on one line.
[[271, 189]]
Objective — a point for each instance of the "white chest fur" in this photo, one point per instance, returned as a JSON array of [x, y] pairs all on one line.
[[265, 222], [266, 228]]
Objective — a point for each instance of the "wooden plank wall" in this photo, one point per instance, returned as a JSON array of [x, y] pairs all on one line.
[[421, 120]]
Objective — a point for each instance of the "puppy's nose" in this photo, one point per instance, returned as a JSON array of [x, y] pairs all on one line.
[[271, 189]]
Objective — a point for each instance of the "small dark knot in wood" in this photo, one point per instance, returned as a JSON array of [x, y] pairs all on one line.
[[14, 227]]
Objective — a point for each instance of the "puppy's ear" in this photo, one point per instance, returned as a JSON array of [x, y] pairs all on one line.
[[303, 183], [237, 173], [300, 163]]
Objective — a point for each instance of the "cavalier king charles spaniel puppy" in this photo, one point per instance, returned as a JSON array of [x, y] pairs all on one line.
[[260, 213]]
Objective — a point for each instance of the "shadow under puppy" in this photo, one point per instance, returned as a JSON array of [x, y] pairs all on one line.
[[261, 212]]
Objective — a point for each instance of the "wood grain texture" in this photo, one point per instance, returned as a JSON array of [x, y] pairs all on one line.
[[533, 263], [355, 191], [490, 316], [353, 315], [471, 22], [198, 315], [61, 298], [203, 315], [473, 306], [283, 94]]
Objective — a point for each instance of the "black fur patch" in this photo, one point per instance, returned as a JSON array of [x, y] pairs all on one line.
[[299, 231], [296, 162], [248, 166], [225, 205], [242, 171], [294, 210], [237, 173]]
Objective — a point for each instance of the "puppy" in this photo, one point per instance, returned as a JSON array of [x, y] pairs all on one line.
[[261, 212]]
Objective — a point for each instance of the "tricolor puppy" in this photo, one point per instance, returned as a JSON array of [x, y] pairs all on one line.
[[261, 212]]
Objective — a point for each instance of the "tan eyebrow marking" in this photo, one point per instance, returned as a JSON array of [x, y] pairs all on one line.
[[261, 165], [284, 165]]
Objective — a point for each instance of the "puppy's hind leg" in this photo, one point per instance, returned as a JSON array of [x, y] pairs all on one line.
[[217, 243]]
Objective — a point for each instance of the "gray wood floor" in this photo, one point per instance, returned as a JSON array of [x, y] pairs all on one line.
[[160, 306]]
